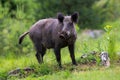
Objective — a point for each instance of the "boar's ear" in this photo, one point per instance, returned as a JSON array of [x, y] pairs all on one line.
[[74, 17], [60, 17]]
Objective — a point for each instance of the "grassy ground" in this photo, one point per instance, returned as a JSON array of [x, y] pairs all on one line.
[[50, 71], [103, 74]]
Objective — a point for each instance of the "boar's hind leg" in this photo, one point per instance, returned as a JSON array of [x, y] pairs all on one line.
[[58, 56], [71, 50], [40, 51]]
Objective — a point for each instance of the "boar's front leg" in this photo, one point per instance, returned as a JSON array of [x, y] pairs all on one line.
[[71, 50], [58, 56]]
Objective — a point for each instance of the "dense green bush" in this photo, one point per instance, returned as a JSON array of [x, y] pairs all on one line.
[[14, 21], [92, 12]]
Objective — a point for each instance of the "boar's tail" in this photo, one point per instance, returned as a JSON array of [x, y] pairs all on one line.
[[22, 37]]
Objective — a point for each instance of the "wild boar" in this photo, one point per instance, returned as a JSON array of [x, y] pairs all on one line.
[[53, 33]]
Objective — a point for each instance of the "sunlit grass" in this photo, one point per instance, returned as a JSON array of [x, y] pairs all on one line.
[[103, 74], [8, 64]]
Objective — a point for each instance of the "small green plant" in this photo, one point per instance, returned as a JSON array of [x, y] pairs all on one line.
[[111, 42], [85, 47], [3, 76]]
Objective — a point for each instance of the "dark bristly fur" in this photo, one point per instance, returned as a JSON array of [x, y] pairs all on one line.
[[53, 33]]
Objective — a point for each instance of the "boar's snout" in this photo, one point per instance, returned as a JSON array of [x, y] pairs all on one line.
[[64, 35]]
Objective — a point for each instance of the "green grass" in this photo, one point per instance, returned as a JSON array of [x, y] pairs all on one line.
[[109, 74], [81, 72]]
